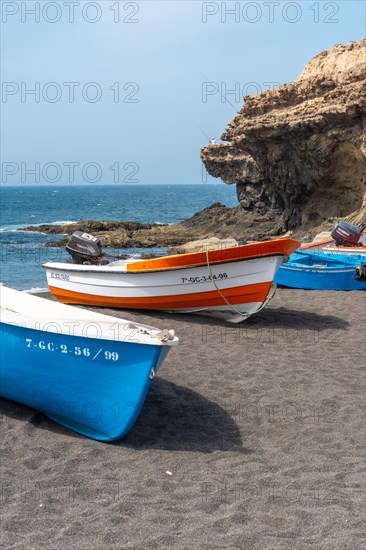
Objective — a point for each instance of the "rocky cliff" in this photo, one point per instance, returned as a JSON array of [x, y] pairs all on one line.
[[297, 154]]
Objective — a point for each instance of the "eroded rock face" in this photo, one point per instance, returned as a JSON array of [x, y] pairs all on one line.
[[297, 154]]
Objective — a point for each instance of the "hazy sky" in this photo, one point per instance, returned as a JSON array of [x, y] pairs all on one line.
[[126, 91]]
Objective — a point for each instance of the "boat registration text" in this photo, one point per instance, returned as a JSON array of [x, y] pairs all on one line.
[[60, 276], [74, 350], [204, 278]]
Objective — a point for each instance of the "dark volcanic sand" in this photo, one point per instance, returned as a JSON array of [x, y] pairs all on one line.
[[260, 424]]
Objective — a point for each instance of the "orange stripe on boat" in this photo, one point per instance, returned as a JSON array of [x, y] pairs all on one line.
[[234, 253], [238, 295], [314, 245]]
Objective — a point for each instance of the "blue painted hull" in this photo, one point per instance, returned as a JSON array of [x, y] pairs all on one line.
[[96, 387], [313, 271]]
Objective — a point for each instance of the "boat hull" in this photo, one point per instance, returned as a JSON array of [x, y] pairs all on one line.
[[245, 287], [95, 387], [332, 275], [329, 247], [230, 284]]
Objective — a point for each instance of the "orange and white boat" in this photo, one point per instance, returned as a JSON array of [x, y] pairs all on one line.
[[229, 283]]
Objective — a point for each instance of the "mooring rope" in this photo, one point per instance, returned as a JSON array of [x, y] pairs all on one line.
[[219, 291], [270, 295]]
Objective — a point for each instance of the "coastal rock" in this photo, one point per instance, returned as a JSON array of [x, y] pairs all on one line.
[[215, 221], [212, 243], [297, 153], [359, 216], [323, 236]]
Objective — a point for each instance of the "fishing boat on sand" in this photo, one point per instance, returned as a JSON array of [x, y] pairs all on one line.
[[87, 371], [347, 239], [318, 271], [228, 283]]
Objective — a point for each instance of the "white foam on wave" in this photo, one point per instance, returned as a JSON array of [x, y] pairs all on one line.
[[19, 228], [58, 222], [62, 222], [3, 230], [10, 228]]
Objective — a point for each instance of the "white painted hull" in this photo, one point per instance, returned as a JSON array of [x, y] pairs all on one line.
[[231, 290], [112, 285]]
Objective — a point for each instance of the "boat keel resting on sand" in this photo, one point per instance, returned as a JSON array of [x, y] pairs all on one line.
[[87, 371], [229, 283]]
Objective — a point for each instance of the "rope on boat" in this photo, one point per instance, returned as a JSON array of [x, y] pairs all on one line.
[[271, 293]]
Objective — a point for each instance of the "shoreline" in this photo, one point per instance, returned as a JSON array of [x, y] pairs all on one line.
[[214, 222]]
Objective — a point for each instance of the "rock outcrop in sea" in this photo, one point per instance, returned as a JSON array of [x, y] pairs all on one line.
[[215, 220], [297, 154]]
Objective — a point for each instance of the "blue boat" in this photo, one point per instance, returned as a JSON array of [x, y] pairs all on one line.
[[87, 371], [318, 271]]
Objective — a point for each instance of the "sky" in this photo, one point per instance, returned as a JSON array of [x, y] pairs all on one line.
[[127, 92]]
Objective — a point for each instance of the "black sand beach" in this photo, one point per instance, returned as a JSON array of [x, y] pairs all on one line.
[[252, 436]]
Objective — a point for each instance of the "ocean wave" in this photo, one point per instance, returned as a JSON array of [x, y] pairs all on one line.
[[59, 222], [11, 228], [20, 228], [62, 222]]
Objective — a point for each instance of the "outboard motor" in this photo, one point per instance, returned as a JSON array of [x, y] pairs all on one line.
[[84, 248], [345, 233], [361, 272]]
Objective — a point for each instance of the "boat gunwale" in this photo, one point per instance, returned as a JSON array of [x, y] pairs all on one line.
[[332, 259], [67, 320], [103, 338], [330, 245], [55, 265], [318, 269], [279, 246], [306, 246]]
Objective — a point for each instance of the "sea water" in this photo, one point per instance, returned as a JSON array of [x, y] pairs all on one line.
[[23, 253]]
